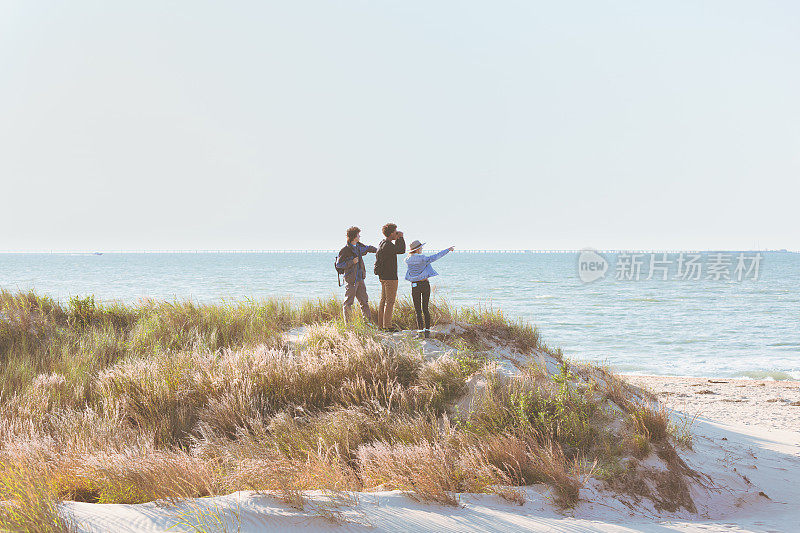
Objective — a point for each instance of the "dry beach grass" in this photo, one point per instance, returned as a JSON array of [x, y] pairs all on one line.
[[130, 404]]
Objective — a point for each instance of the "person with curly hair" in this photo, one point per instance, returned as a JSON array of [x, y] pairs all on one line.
[[386, 269], [351, 260]]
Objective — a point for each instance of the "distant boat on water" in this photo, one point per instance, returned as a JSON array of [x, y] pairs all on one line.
[[98, 253]]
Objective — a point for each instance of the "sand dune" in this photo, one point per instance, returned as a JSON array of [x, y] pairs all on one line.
[[755, 473], [752, 471]]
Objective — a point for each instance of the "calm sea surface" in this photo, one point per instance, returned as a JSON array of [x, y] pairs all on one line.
[[702, 327]]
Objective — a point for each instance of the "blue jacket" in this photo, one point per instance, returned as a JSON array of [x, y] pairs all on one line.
[[357, 272], [419, 266]]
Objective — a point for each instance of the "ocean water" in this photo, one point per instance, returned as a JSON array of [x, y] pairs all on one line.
[[703, 327]]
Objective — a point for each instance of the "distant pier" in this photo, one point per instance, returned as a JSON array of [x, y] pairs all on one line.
[[332, 251]]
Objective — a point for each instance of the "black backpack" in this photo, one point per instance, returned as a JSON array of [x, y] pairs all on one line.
[[379, 259], [339, 270]]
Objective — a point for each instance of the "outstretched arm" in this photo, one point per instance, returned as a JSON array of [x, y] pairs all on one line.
[[434, 257]]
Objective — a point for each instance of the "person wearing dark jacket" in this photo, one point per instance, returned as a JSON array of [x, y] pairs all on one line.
[[386, 269], [351, 260]]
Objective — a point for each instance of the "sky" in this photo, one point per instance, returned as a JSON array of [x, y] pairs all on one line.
[[497, 124]]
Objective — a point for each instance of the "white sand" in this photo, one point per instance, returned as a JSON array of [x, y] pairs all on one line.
[[748, 446], [769, 404]]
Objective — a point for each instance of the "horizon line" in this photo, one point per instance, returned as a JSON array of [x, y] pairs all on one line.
[[331, 250]]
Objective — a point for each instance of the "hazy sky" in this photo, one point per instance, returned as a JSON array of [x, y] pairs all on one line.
[[494, 124]]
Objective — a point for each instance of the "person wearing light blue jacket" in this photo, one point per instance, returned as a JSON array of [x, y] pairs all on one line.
[[418, 271]]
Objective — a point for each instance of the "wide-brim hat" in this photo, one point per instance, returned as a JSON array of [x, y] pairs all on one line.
[[415, 245]]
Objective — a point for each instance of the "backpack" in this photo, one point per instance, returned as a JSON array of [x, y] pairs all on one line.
[[379, 259], [339, 270]]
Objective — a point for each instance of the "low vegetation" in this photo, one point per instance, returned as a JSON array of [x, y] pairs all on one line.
[[128, 404]]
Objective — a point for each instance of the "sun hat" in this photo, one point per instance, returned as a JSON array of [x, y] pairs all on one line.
[[414, 245]]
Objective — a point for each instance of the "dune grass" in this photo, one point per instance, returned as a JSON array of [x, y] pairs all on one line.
[[128, 404], [28, 500]]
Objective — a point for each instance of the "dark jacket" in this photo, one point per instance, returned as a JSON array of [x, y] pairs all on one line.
[[386, 258], [354, 272]]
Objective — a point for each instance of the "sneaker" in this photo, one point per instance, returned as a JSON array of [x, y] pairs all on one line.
[[427, 334]]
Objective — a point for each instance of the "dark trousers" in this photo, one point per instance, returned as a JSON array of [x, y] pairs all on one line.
[[421, 294]]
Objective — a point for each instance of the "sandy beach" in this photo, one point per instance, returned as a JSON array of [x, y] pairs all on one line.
[[763, 404]]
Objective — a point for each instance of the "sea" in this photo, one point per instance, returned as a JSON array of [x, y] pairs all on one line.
[[715, 314]]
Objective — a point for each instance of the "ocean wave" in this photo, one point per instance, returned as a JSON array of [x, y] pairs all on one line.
[[677, 342], [768, 375]]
